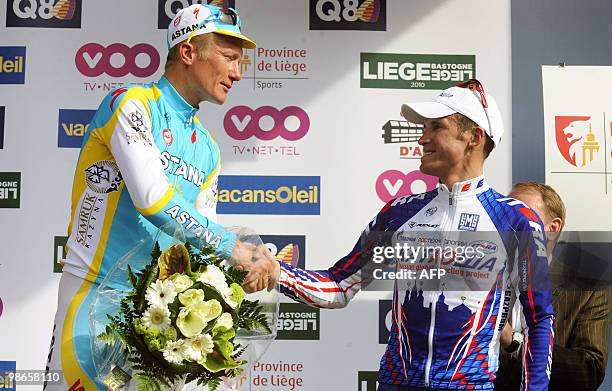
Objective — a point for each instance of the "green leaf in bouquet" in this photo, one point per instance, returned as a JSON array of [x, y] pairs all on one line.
[[148, 279], [203, 257], [174, 308], [223, 334], [108, 336], [156, 252], [212, 384], [251, 318], [132, 277], [236, 276], [147, 383], [174, 259], [238, 351]]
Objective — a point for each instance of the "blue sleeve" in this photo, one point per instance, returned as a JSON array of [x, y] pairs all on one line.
[[536, 299]]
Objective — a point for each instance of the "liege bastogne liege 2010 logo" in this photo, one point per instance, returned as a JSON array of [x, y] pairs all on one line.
[[415, 71], [10, 189], [266, 123]]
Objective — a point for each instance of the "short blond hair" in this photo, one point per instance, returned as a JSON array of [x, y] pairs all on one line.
[[552, 201], [202, 43]]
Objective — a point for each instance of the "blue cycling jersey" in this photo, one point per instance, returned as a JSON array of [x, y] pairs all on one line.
[[445, 332], [146, 160]]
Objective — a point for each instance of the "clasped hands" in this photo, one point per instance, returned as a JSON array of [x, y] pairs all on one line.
[[263, 268]]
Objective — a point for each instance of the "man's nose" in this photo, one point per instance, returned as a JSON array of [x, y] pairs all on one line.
[[235, 74], [423, 139]]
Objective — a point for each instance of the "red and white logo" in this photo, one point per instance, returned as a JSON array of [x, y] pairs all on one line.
[[575, 139], [167, 135], [393, 184]]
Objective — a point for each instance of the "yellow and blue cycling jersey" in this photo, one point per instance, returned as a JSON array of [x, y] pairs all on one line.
[[146, 160]]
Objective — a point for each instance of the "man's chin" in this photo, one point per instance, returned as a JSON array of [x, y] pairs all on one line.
[[427, 169]]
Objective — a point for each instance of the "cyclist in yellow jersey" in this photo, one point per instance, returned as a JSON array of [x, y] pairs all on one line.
[[146, 160]]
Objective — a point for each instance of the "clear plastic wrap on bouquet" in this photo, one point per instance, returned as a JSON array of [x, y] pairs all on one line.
[[110, 361]]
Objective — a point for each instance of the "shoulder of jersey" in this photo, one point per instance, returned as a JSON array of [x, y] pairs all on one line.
[[120, 94], [514, 211]]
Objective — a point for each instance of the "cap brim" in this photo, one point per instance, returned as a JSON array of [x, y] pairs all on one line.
[[246, 42], [418, 112]]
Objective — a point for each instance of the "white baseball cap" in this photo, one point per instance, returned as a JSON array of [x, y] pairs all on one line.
[[467, 98], [200, 19]]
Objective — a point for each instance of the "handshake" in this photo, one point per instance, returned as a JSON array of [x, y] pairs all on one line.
[[263, 268]]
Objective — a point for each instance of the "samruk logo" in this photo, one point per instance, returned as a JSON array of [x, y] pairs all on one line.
[[576, 140]]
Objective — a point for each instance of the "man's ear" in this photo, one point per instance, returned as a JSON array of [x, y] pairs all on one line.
[[187, 53], [554, 229], [477, 137]]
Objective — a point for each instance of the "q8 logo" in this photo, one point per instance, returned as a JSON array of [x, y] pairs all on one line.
[[348, 15]]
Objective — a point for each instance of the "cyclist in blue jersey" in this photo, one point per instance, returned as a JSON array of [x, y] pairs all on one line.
[[445, 331], [146, 160]]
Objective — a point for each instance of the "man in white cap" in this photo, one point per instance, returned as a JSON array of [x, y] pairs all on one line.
[[446, 323], [146, 161]]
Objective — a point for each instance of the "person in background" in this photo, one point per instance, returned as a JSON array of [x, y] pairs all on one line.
[[582, 311]]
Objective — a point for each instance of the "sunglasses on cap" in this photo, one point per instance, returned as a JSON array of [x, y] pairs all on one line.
[[225, 16], [475, 85]]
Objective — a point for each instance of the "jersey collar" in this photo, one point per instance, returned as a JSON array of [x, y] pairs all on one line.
[[176, 101], [466, 188]]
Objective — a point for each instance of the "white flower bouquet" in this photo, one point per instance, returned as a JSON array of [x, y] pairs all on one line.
[[179, 321]]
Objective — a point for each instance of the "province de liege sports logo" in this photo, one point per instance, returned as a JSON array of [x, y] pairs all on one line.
[[575, 139]]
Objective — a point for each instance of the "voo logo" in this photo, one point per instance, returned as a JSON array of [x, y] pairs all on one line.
[[117, 60], [266, 123], [393, 184]]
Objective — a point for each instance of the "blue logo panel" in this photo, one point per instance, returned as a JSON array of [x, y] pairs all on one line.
[[269, 195], [71, 127], [7, 375], [468, 222], [12, 64]]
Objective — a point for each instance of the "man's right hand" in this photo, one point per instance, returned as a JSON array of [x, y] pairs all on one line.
[[263, 268]]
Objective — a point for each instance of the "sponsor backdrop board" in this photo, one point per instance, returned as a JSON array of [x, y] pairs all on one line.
[[314, 123], [578, 126]]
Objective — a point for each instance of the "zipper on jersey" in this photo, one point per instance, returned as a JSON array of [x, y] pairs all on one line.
[[445, 225], [432, 326]]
